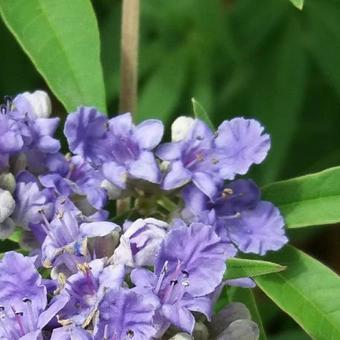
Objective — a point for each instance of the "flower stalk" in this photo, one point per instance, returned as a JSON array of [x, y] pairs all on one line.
[[129, 56]]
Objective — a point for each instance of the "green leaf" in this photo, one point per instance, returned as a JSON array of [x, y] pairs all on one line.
[[297, 3], [308, 291], [308, 200], [16, 236], [62, 40], [324, 38], [162, 91], [255, 31], [201, 114], [246, 296], [280, 83], [237, 268]]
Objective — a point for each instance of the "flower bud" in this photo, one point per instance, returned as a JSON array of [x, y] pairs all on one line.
[[7, 182], [40, 103], [240, 330], [140, 242], [180, 128], [7, 205]]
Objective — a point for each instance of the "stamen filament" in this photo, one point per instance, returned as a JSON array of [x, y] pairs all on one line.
[[161, 277], [67, 229], [173, 282], [30, 313], [18, 319], [46, 226]]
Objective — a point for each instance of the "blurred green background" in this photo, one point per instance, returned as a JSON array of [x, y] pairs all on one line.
[[255, 58]]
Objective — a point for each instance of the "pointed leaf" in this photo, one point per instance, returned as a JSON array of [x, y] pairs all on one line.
[[62, 40], [308, 291], [297, 3], [308, 200], [201, 114], [237, 268]]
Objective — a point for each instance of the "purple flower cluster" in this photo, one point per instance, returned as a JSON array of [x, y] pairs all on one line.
[[161, 271]]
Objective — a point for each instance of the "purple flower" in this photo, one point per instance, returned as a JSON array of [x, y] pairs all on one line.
[[86, 131], [192, 159], [86, 289], [125, 314], [207, 159], [77, 178], [27, 132], [175, 304], [120, 148], [40, 146], [196, 253], [258, 230], [36, 104], [31, 111], [66, 240], [131, 150], [189, 266], [140, 242], [236, 196], [23, 299], [30, 201], [241, 143], [252, 225], [11, 141]]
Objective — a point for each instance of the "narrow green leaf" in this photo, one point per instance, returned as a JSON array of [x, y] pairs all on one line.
[[297, 3], [62, 40], [308, 200], [201, 114], [237, 268], [246, 296], [308, 291]]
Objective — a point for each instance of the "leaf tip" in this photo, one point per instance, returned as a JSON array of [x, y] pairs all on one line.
[[298, 4]]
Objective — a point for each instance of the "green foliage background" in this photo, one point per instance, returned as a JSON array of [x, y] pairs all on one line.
[[263, 59]]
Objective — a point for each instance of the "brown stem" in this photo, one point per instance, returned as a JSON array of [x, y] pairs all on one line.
[[128, 69], [129, 56]]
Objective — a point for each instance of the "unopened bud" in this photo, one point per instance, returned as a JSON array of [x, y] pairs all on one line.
[[7, 205], [40, 103], [181, 127], [7, 182]]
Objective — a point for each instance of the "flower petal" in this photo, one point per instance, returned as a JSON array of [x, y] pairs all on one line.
[[258, 230], [169, 151], [55, 306], [149, 133], [115, 174], [206, 183], [97, 229], [179, 316], [146, 168], [176, 177], [121, 125], [242, 143]]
